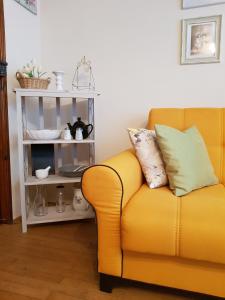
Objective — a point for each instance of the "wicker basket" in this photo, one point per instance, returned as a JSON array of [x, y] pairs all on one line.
[[32, 83]]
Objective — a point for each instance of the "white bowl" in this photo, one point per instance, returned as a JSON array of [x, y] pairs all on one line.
[[44, 134], [41, 174]]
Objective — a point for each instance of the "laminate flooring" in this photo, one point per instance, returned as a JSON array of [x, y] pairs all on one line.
[[59, 262]]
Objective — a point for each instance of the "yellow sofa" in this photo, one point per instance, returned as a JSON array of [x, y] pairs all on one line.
[[152, 236]]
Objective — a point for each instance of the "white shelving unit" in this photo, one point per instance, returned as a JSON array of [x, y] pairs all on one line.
[[58, 141], [26, 178]]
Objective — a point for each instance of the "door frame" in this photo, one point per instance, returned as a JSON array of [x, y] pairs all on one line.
[[5, 175]]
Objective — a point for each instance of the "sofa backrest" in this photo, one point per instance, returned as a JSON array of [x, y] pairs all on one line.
[[209, 121]]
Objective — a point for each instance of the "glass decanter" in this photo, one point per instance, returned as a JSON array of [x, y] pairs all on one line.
[[60, 204], [40, 206]]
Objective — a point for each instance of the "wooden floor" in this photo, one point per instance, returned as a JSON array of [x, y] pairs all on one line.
[[58, 262]]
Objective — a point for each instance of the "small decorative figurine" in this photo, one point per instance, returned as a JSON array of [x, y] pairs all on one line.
[[79, 203], [83, 77], [67, 135], [79, 134]]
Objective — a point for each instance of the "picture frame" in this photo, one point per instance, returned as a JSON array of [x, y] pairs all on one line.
[[201, 40], [199, 3], [30, 5]]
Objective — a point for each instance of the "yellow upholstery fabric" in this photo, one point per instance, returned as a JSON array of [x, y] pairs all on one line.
[[209, 121], [152, 232], [162, 239], [106, 187], [223, 154], [191, 226], [173, 117], [202, 224], [180, 273]]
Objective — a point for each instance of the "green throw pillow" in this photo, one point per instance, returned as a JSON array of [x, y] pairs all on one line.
[[186, 158]]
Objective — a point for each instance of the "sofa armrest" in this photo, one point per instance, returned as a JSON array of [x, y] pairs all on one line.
[[108, 187]]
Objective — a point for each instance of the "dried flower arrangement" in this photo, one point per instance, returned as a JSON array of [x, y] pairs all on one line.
[[31, 76]]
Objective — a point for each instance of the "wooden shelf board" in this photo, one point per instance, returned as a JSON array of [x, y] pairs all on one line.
[[51, 179], [54, 216], [58, 141], [56, 94]]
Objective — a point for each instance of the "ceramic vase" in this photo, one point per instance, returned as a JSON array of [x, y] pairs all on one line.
[[59, 80]]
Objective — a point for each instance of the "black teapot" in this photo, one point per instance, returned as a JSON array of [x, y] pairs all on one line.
[[80, 124]]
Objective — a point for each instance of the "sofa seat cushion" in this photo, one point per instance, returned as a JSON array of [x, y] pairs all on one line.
[[149, 222], [202, 224], [155, 221]]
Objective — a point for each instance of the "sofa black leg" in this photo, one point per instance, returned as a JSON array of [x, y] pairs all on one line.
[[106, 283]]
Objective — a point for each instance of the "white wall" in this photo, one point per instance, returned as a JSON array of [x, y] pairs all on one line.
[[22, 44], [134, 46]]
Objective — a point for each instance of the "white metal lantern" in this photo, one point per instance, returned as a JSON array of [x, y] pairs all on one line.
[[83, 78]]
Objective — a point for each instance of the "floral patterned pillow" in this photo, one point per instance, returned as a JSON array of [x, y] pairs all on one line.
[[149, 156]]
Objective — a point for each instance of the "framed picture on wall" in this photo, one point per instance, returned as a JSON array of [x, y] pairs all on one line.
[[30, 5], [199, 3], [201, 40]]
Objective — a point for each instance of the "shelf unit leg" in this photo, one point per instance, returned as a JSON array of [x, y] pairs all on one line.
[[74, 154], [59, 157], [58, 117], [74, 109], [19, 101], [58, 148], [41, 112], [91, 120], [23, 208], [24, 223], [74, 118], [92, 154]]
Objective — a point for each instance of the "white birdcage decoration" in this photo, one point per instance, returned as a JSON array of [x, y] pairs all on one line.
[[83, 78]]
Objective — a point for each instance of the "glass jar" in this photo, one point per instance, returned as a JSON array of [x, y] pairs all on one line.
[[40, 205], [60, 204]]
